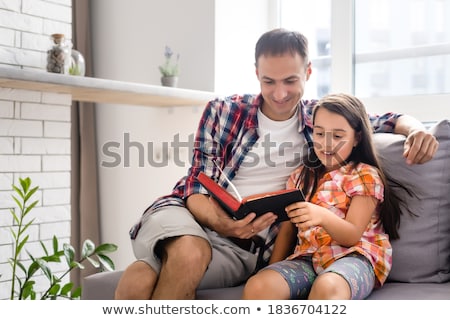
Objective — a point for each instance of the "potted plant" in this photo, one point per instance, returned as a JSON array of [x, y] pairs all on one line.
[[24, 270], [169, 70]]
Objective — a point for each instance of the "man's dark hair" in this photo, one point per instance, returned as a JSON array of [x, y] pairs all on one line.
[[279, 41]]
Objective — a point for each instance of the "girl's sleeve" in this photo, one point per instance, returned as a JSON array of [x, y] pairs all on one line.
[[365, 181], [293, 178]]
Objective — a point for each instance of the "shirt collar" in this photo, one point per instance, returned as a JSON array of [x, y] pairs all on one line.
[[257, 103]]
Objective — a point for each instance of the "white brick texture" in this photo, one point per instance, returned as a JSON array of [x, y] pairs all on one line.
[[34, 130]]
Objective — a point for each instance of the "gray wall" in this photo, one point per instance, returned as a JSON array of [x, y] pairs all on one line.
[[130, 36]]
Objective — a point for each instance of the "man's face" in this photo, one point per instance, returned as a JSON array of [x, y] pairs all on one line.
[[282, 80]]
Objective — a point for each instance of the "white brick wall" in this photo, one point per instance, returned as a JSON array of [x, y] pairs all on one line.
[[34, 129], [25, 29]]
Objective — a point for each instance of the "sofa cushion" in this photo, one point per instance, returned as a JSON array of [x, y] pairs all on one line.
[[422, 254]]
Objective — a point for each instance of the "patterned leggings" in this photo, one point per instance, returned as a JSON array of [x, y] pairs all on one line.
[[300, 275]]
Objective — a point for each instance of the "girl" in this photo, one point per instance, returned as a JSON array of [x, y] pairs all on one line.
[[343, 229]]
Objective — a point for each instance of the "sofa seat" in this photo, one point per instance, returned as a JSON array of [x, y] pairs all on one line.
[[101, 286]]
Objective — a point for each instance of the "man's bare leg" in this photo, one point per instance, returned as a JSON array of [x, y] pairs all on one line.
[[184, 262], [137, 282]]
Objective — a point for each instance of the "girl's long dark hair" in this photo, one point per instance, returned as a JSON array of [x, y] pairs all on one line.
[[354, 112]]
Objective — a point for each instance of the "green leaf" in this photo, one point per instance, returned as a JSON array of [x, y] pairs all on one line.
[[19, 192], [88, 248], [45, 269], [55, 244], [44, 247], [22, 243], [13, 213], [66, 288], [69, 253], [19, 203], [25, 183], [93, 262], [30, 193], [25, 227], [106, 262], [21, 266], [106, 248], [31, 206], [13, 233], [54, 289], [52, 258], [76, 293], [19, 280], [33, 268], [27, 289], [76, 264]]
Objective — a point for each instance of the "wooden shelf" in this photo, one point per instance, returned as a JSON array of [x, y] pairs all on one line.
[[102, 90]]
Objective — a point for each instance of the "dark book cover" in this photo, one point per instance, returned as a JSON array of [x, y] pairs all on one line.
[[275, 201]]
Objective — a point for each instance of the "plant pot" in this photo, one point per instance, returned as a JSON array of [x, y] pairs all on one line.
[[170, 81]]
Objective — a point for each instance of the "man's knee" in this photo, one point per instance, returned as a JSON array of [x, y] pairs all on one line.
[[191, 251], [137, 282]]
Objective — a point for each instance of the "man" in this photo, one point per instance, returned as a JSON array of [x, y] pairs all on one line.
[[185, 241]]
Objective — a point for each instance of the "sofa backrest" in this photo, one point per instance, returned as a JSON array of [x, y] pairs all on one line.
[[422, 254]]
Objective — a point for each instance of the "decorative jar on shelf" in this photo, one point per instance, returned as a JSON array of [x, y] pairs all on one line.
[[59, 55]]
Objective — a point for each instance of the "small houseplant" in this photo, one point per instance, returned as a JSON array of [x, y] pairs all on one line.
[[23, 272], [170, 68]]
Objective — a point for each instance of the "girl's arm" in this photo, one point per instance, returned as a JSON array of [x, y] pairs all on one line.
[[347, 232], [285, 242]]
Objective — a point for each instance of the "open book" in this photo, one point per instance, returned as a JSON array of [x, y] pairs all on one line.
[[261, 203]]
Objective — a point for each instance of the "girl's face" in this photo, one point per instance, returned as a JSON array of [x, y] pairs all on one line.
[[333, 137]]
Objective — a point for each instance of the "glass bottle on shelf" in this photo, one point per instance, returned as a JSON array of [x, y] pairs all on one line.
[[78, 64], [59, 56]]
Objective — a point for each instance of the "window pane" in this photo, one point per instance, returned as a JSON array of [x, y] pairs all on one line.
[[303, 17], [402, 47]]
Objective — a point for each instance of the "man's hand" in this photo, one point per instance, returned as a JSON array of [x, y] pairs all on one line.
[[420, 146], [244, 228]]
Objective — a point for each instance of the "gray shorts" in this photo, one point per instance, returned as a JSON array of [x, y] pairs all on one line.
[[230, 265], [299, 274]]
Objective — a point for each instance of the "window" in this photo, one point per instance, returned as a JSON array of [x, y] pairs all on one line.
[[312, 18], [402, 54], [394, 55]]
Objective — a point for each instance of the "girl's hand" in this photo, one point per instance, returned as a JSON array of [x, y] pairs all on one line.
[[305, 214]]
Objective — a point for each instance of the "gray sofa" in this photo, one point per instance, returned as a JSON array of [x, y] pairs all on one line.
[[421, 257]]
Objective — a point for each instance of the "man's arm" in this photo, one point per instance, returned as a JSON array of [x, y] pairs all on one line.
[[420, 145]]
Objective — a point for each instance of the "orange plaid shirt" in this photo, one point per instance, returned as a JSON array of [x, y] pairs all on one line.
[[335, 191]]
